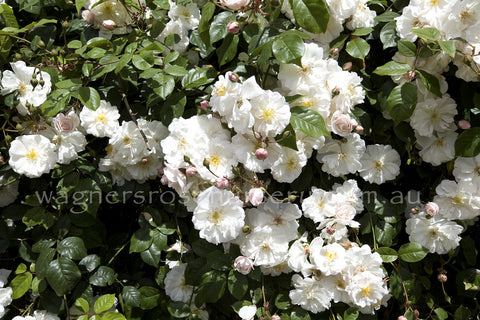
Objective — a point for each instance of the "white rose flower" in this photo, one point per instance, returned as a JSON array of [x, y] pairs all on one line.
[[380, 163], [234, 4], [175, 286], [102, 122], [342, 124], [32, 155]]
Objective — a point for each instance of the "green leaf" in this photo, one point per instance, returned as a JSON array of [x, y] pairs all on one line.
[[401, 102], [308, 121], [62, 275], [358, 48], [449, 47], [151, 256], [282, 302], [38, 216], [430, 81], [387, 254], [469, 250], [82, 304], [393, 68], [175, 70], [412, 252], [102, 277], [56, 102], [164, 85], [350, 314], [90, 262], [204, 25], [73, 248], [79, 5], [131, 296], [140, 63], [237, 284], [173, 107], [468, 143], [362, 31], [311, 15], [407, 48], [289, 48], [384, 232], [72, 84], [388, 35], [179, 309], [89, 97], [104, 303], [431, 34], [112, 315], [141, 240], [21, 284], [212, 287], [123, 62], [218, 28], [441, 313], [228, 49], [150, 297], [462, 313]]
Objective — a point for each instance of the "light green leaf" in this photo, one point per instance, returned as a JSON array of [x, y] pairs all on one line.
[[449, 47], [431, 34], [387, 254], [89, 97], [308, 121], [104, 303], [393, 68], [311, 15], [407, 48], [21, 284], [358, 48], [82, 304], [401, 102], [412, 252], [288, 48]]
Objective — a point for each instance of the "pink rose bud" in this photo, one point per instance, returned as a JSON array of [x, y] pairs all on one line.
[[88, 16], [255, 196], [1, 159], [464, 124], [243, 265], [204, 104], [108, 24], [347, 66], [402, 318], [335, 92], [234, 4], [410, 75], [191, 171], [431, 209], [359, 129], [221, 183], [442, 277], [335, 51], [261, 153], [64, 123], [164, 180], [144, 160], [233, 77], [330, 230], [275, 317], [233, 27], [342, 124], [414, 210], [214, 115]]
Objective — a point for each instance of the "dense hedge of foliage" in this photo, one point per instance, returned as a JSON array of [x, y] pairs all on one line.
[[297, 159]]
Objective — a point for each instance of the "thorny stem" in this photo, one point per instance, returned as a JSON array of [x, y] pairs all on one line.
[[135, 121]]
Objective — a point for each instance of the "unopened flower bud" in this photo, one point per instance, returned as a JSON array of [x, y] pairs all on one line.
[[164, 180], [410, 75], [144, 160], [255, 196], [431, 209], [191, 171], [292, 197], [108, 24], [204, 104], [1, 160], [401, 318], [233, 27], [246, 229], [464, 124], [261, 153], [41, 82], [347, 66], [415, 210], [221, 183], [359, 129], [18, 56], [442, 278], [88, 16], [54, 52], [65, 24], [243, 265], [233, 77], [8, 138], [186, 159], [335, 92], [206, 163], [275, 317], [330, 230], [41, 44], [34, 82], [335, 51], [19, 126]]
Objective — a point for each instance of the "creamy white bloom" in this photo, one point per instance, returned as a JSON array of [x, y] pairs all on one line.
[[219, 215], [110, 17], [271, 113], [467, 169], [457, 200], [175, 286], [342, 157], [363, 17], [32, 155], [234, 4], [367, 290], [438, 236], [433, 115], [361, 259], [289, 165], [102, 122], [247, 312], [188, 15], [438, 148], [380, 163], [310, 294], [171, 28], [265, 246], [350, 193], [5, 299], [44, 315], [298, 257], [319, 205], [66, 123], [20, 81], [330, 259]]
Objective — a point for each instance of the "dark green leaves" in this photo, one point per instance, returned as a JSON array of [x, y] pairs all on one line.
[[308, 121], [468, 143], [228, 49], [311, 15], [358, 48], [430, 81], [204, 26], [407, 48], [387, 254], [73, 248], [401, 102], [288, 48], [62, 275], [393, 68], [237, 284]]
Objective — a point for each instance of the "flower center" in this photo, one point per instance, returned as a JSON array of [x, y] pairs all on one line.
[[215, 160], [32, 155], [378, 164], [22, 88], [216, 217], [330, 255], [101, 117], [220, 90], [458, 199], [366, 292], [268, 115]]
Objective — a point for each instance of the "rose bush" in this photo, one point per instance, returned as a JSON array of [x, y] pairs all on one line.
[[297, 159]]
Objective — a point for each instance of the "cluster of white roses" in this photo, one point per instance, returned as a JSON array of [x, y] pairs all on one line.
[[435, 226], [454, 19], [5, 292], [39, 315]]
